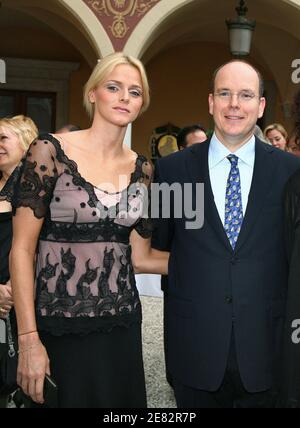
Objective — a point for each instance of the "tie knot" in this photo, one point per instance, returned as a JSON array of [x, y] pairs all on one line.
[[233, 159]]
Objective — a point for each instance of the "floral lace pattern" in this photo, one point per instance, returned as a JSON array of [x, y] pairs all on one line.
[[6, 194], [84, 274]]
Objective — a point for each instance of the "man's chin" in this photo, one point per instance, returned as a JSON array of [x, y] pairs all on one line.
[[238, 134], [234, 138]]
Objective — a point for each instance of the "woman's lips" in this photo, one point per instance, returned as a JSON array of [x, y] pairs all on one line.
[[122, 110]]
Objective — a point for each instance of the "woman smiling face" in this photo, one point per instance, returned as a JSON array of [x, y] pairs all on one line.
[[11, 151]]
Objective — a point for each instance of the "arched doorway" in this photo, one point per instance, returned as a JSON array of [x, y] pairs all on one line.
[[49, 48], [185, 45]]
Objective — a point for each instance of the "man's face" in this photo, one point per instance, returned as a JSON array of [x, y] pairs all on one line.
[[195, 137], [236, 104]]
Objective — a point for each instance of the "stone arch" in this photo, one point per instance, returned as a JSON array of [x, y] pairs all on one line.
[[146, 30], [74, 21], [142, 36], [196, 30], [91, 25]]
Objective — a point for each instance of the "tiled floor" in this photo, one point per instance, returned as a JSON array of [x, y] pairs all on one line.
[[159, 392]]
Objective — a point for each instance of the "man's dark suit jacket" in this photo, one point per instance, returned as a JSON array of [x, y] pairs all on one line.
[[214, 291]]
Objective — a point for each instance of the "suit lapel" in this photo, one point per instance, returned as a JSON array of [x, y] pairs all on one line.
[[261, 182], [197, 166]]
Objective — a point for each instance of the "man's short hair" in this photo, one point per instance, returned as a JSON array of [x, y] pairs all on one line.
[[184, 132], [259, 75]]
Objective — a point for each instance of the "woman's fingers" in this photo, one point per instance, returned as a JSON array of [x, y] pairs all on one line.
[[6, 307], [5, 297], [39, 386], [4, 312], [31, 388], [33, 364]]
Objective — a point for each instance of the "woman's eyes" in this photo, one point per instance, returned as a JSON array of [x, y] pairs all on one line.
[[112, 88], [134, 92]]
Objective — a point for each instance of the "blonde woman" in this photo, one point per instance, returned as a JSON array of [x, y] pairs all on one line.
[[16, 134], [277, 136], [80, 202]]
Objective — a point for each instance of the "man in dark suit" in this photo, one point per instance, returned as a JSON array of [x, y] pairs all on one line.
[[228, 279]]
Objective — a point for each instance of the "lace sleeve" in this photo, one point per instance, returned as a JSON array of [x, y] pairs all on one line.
[[144, 224], [37, 178], [7, 193]]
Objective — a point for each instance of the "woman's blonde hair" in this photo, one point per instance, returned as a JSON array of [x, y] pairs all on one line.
[[104, 68], [278, 128], [23, 127]]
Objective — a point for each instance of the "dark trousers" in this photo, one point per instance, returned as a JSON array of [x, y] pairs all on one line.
[[3, 402], [231, 394], [164, 288]]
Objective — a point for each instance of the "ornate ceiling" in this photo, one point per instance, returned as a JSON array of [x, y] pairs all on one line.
[[120, 17]]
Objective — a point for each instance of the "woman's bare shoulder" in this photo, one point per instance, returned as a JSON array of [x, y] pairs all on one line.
[[67, 139]]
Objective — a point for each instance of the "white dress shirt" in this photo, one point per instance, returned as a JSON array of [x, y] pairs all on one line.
[[219, 168]]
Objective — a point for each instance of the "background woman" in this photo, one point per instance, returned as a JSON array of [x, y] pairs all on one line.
[[80, 202], [293, 145], [276, 135], [16, 134]]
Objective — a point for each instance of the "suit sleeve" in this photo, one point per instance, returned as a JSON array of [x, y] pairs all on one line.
[[163, 228], [291, 202]]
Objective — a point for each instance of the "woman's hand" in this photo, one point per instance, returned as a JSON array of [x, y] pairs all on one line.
[[32, 367], [6, 300]]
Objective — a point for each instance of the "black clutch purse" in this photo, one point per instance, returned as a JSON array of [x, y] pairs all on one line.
[[8, 360], [50, 393], [50, 396]]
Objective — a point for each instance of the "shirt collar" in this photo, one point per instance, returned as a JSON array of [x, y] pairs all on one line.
[[218, 152]]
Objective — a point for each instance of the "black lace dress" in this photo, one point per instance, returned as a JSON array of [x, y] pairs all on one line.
[[6, 227], [5, 246], [88, 309]]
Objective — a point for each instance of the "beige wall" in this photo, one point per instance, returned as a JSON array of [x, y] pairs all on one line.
[[78, 80], [46, 45], [180, 82], [36, 44]]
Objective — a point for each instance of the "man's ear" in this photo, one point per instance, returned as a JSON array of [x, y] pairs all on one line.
[[211, 104], [262, 106]]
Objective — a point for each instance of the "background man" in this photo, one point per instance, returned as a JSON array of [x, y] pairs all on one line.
[[190, 135]]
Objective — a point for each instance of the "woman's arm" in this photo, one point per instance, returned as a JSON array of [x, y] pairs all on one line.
[[31, 201], [33, 359], [146, 259]]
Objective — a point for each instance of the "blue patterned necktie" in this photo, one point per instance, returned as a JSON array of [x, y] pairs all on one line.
[[233, 202]]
